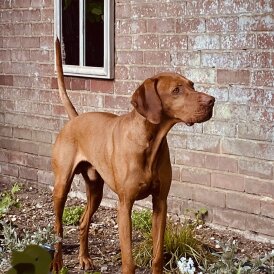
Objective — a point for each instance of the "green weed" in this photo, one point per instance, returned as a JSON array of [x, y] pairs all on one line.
[[9, 199], [72, 215]]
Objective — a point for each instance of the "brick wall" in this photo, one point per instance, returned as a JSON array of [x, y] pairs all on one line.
[[224, 46]]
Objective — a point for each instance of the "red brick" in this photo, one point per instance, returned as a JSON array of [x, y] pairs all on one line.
[[146, 41], [38, 55], [173, 42], [264, 78], [123, 27], [265, 40], [93, 100], [166, 25], [189, 158], [30, 42], [156, 58], [228, 112], [176, 173], [123, 42], [208, 143], [30, 15], [256, 23], [229, 218], [125, 87], [28, 173], [22, 29], [21, 3], [186, 59], [47, 15], [256, 131], [217, 59], [20, 55], [10, 170], [222, 163], [235, 6], [5, 131], [192, 25], [259, 187], [267, 207], [78, 84], [41, 136], [256, 168], [204, 42], [117, 102], [171, 9], [128, 57], [5, 55], [44, 149], [144, 10], [22, 133], [201, 7], [243, 202], [248, 148], [6, 80], [222, 24], [262, 225], [228, 181], [121, 72], [176, 140], [12, 42], [233, 76], [141, 72], [195, 175], [45, 177], [221, 128], [209, 197], [181, 190], [238, 41], [122, 11]]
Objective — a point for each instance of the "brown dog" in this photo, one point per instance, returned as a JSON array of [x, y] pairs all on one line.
[[129, 152]]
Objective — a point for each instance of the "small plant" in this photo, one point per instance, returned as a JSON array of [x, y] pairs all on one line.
[[142, 220], [9, 199], [12, 241], [179, 241], [72, 215], [226, 262]]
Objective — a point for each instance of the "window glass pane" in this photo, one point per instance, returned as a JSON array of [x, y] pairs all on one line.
[[94, 33], [70, 29]]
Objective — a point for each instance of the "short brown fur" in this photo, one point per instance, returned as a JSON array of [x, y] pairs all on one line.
[[128, 152]]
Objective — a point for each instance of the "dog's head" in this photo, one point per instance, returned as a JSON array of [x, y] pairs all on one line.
[[173, 96]]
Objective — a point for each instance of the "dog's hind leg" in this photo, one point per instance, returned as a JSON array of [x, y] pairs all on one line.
[[94, 192], [62, 186]]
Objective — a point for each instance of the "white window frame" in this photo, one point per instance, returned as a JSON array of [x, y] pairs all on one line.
[[107, 71]]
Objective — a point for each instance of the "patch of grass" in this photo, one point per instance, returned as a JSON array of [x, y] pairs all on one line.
[[142, 220], [72, 215], [180, 241], [9, 199]]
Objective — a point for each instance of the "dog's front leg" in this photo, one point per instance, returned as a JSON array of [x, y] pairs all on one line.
[[158, 232], [125, 235]]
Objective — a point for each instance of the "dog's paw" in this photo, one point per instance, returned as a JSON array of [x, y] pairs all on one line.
[[85, 263], [57, 263]]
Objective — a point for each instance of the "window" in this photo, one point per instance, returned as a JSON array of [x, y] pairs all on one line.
[[86, 31]]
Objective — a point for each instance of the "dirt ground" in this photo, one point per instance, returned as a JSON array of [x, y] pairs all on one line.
[[36, 211]]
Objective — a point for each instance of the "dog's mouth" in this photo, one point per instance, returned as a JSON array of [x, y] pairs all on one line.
[[190, 124], [200, 119]]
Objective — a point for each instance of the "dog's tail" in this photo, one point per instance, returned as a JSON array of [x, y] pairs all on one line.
[[61, 83]]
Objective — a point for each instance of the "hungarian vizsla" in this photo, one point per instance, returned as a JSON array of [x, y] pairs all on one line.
[[128, 152]]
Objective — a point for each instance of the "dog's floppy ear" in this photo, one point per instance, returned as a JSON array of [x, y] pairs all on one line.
[[147, 101]]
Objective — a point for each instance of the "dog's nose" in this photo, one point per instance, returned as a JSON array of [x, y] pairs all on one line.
[[207, 100]]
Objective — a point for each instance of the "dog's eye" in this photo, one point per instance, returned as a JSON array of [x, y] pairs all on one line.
[[176, 91]]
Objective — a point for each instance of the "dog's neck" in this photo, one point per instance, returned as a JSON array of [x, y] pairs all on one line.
[[149, 135]]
